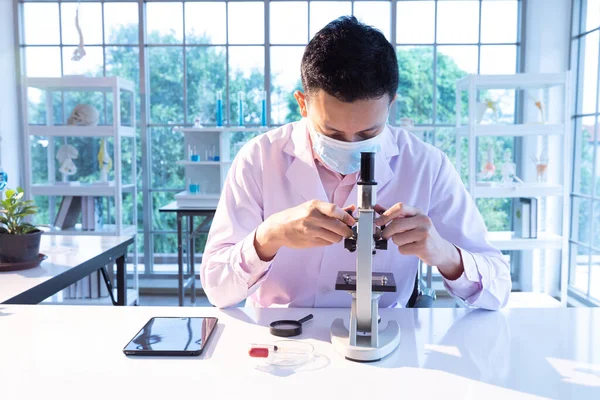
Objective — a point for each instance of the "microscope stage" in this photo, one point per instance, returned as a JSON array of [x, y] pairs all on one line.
[[382, 281]]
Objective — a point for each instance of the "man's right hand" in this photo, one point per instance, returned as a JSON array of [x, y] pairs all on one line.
[[311, 224]]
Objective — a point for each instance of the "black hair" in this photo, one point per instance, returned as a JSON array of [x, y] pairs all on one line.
[[350, 61]]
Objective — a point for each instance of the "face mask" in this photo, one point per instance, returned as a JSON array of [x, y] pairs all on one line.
[[343, 157]]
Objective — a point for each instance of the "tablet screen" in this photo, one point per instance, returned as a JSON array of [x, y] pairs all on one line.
[[172, 334]]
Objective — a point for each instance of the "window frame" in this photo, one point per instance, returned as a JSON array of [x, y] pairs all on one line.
[[145, 126], [578, 34]]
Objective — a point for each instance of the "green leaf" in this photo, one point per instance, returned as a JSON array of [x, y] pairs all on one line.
[[10, 193]]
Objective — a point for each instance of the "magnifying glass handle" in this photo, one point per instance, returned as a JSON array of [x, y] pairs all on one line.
[[307, 318]]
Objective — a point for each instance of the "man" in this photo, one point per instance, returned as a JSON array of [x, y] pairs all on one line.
[[277, 236]]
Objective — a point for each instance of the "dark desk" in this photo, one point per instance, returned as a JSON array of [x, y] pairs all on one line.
[[70, 259], [192, 232]]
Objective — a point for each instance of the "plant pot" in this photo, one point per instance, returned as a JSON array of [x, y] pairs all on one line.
[[19, 248]]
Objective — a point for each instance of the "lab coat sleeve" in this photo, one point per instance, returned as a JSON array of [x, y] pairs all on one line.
[[231, 269], [486, 281]]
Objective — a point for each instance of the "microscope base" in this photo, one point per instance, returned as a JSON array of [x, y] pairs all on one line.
[[389, 339]]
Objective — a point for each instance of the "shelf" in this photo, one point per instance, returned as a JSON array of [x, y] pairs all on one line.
[[222, 129], [78, 189], [106, 230], [186, 199], [197, 163], [520, 190], [514, 130], [506, 241], [516, 81], [80, 83], [80, 131], [132, 299], [190, 196]]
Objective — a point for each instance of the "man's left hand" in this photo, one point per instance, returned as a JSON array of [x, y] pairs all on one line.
[[414, 234]]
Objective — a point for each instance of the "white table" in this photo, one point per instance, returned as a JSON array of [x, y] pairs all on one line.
[[70, 258], [74, 352]]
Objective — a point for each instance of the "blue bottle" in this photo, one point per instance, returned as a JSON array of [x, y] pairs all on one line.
[[219, 108], [263, 116]]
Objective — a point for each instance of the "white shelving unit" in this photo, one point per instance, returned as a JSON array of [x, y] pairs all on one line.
[[556, 129], [207, 173], [111, 90]]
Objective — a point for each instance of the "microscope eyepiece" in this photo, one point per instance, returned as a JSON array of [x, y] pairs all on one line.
[[367, 169]]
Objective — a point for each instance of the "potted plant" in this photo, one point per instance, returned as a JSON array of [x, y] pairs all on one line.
[[19, 240]]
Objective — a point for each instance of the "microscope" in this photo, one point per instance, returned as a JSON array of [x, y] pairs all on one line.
[[363, 341]]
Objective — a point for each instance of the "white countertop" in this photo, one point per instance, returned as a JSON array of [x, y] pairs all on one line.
[[75, 352], [64, 253]]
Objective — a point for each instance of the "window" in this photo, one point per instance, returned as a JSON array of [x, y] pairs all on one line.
[[584, 268], [192, 49]]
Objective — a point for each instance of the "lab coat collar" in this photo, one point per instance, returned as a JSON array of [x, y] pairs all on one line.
[[304, 176]]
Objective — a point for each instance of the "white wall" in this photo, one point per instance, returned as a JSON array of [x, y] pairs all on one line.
[[10, 149], [547, 40]]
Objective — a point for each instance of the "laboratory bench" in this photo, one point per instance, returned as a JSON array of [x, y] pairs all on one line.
[[75, 352]]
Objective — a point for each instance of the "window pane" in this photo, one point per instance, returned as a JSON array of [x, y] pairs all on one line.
[[595, 276], [163, 221], [90, 65], [205, 22], [595, 142], [205, 76], [123, 61], [415, 88], [167, 149], [165, 252], [592, 15], [375, 14], [40, 23], [164, 22], [499, 21], [246, 23], [580, 230], [285, 79], [588, 64], [453, 63], [580, 258], [596, 233], [323, 12], [42, 61], [121, 23], [498, 60], [445, 140], [90, 21], [415, 22], [289, 22], [584, 155], [496, 213], [166, 84], [458, 22], [246, 74]]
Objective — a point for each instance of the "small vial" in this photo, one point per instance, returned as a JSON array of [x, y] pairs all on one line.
[[192, 187], [194, 156], [219, 108], [263, 102]]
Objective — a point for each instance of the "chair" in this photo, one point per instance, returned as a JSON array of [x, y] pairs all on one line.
[[420, 298]]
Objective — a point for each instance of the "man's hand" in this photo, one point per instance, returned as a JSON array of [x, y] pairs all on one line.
[[414, 234], [311, 224]]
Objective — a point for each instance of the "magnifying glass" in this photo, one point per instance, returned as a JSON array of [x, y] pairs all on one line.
[[288, 328]]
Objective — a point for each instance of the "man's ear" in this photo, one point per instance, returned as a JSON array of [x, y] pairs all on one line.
[[301, 99]]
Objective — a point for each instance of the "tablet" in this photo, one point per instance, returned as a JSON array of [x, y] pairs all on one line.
[[172, 336]]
